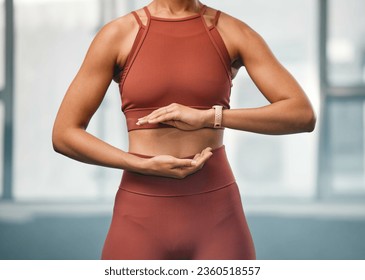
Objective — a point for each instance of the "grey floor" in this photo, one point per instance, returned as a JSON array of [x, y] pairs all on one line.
[[53, 235]]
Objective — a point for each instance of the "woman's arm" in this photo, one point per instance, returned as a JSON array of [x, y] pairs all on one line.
[[289, 110], [84, 96]]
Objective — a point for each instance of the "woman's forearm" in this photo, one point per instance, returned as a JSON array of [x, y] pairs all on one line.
[[283, 117], [78, 144]]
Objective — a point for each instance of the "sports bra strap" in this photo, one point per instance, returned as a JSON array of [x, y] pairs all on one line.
[[203, 9], [137, 18], [147, 12], [216, 18]]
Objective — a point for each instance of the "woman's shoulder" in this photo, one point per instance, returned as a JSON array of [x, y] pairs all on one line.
[[113, 39], [230, 23], [119, 27], [236, 33]]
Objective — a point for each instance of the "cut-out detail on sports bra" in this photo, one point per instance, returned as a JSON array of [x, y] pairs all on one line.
[[175, 60]]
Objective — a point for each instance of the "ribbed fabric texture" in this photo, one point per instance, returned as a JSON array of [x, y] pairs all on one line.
[[174, 61]]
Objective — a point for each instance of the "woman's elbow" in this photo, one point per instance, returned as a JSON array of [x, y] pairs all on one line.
[[309, 120], [58, 140]]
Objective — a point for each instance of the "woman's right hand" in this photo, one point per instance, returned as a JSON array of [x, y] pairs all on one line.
[[169, 166]]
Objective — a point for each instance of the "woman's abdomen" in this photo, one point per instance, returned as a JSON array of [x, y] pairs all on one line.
[[172, 141]]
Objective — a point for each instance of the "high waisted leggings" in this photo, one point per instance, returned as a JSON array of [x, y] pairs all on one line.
[[199, 217]]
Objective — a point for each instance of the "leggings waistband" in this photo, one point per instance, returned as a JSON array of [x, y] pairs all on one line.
[[215, 174]]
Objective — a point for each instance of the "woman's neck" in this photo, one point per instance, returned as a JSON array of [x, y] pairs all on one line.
[[176, 7]]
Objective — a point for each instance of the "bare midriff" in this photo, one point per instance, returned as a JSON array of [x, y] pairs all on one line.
[[174, 142]]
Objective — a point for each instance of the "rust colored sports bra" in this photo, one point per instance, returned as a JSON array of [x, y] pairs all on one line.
[[174, 61]]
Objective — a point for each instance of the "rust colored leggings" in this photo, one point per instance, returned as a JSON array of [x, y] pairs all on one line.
[[199, 217]]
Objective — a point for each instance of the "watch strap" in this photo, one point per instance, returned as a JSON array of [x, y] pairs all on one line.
[[218, 109]]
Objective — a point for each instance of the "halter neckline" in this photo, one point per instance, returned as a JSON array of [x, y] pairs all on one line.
[[199, 14]]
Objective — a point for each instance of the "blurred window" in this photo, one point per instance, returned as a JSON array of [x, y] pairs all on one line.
[[2, 87], [2, 44], [346, 146], [346, 42], [342, 145]]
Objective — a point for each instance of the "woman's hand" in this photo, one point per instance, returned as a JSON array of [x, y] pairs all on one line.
[[180, 116], [169, 166]]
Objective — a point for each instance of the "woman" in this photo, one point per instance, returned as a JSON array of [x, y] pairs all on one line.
[[174, 61]]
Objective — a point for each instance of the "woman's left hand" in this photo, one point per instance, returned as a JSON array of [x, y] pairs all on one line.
[[180, 116]]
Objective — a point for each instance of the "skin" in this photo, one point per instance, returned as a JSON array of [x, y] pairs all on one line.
[[289, 110]]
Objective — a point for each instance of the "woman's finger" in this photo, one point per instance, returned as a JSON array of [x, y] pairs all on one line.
[[156, 113], [172, 116], [196, 157], [170, 123], [204, 156], [200, 160], [159, 113], [181, 163]]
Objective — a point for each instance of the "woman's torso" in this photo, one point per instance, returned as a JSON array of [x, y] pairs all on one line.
[[173, 141]]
